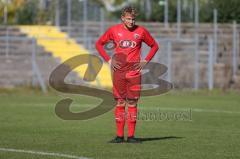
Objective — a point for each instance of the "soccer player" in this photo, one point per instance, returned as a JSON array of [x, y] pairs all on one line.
[[126, 64]]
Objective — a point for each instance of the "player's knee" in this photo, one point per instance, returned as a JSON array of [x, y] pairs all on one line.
[[121, 102], [132, 102]]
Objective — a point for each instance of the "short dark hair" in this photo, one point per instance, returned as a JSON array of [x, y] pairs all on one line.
[[129, 9]]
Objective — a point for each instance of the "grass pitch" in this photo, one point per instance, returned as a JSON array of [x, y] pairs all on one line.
[[176, 125]]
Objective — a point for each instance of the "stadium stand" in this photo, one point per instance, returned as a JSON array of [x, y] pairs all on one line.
[[63, 47], [16, 59], [57, 45]]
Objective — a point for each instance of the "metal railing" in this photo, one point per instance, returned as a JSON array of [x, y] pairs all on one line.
[[35, 68]]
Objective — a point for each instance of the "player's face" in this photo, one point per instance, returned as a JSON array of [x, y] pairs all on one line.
[[128, 20]]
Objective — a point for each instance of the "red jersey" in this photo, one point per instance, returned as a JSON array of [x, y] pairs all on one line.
[[127, 42]]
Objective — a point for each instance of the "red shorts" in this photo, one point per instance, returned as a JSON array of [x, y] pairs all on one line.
[[126, 84]]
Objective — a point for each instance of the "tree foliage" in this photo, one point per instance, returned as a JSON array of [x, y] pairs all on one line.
[[29, 12]]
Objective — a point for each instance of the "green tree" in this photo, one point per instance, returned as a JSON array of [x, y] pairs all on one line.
[[27, 13], [228, 10]]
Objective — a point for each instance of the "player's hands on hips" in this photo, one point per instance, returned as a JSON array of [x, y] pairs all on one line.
[[139, 66], [114, 64]]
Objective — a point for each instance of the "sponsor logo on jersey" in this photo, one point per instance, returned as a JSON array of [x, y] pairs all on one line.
[[127, 44]]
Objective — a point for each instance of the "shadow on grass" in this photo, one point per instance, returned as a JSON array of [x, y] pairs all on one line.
[[158, 138]]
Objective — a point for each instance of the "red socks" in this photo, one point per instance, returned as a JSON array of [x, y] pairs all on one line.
[[131, 120], [120, 120]]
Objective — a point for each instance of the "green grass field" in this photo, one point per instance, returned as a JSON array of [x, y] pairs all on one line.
[[30, 129]]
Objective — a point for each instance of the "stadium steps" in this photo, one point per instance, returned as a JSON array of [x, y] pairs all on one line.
[[63, 48], [16, 63]]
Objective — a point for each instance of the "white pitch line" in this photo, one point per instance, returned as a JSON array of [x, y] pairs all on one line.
[[42, 153]]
